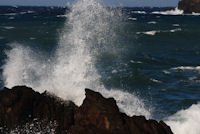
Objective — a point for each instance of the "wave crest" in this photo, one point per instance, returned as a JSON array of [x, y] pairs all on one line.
[[186, 121], [88, 31]]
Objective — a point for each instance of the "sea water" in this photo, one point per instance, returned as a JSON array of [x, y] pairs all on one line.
[[146, 58]]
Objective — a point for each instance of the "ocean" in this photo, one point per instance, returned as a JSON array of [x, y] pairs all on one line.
[[148, 59]]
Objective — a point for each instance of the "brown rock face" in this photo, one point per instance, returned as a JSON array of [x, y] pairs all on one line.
[[189, 6], [21, 104], [97, 115], [101, 116]]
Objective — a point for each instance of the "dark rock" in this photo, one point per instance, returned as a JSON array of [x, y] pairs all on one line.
[[189, 6], [21, 104], [97, 115]]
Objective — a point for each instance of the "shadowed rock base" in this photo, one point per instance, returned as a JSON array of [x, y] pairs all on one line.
[[97, 115]]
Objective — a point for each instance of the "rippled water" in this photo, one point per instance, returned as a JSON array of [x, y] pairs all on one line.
[[148, 60]]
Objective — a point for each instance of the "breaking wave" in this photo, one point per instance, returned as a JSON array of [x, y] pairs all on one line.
[[197, 68], [88, 31], [148, 32], [186, 121], [154, 32], [139, 12], [175, 11]]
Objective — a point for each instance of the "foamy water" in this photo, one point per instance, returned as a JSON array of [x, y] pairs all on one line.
[[186, 121], [148, 32], [197, 68], [72, 68], [154, 32], [130, 18], [152, 22], [139, 12], [175, 11], [8, 27]]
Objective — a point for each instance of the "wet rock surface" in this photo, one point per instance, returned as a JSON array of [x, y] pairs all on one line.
[[21, 104], [97, 115]]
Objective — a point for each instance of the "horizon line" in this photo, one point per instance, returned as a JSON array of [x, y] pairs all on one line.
[[104, 6]]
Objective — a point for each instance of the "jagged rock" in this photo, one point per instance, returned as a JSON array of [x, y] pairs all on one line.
[[97, 115], [189, 6], [101, 116], [21, 104]]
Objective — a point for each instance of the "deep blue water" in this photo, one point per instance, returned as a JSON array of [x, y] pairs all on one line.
[[160, 66]]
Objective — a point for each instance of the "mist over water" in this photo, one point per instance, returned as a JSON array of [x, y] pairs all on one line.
[[88, 32]]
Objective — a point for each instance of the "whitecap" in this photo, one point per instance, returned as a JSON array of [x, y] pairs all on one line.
[[132, 61], [130, 18], [197, 14], [155, 80], [139, 12], [175, 30], [154, 32], [197, 68], [166, 72], [149, 32], [114, 71], [175, 11], [152, 22], [8, 27], [175, 25], [185, 121], [30, 11]]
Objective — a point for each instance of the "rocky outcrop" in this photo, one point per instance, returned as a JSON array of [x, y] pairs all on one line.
[[189, 6], [97, 115], [101, 116], [21, 104]]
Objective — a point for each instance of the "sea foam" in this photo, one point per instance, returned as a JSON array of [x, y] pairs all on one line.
[[192, 68], [149, 32], [72, 68], [139, 12], [175, 11], [152, 22], [154, 32], [186, 121]]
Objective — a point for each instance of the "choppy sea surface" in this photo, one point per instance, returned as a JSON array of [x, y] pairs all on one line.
[[148, 59]]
